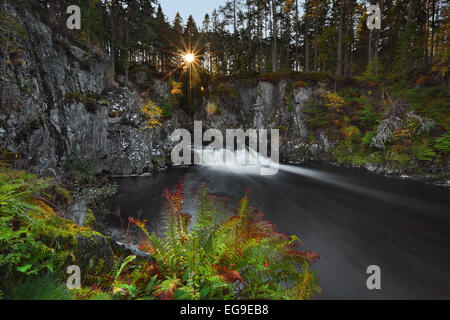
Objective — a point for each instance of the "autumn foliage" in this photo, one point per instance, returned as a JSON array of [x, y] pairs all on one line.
[[226, 254]]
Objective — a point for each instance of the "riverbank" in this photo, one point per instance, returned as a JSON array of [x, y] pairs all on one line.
[[439, 180]]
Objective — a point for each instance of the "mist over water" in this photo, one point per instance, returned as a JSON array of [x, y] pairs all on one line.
[[353, 219]]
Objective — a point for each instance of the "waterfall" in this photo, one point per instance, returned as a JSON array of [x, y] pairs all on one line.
[[242, 161]]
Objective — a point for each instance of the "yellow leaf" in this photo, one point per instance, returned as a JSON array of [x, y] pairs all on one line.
[[153, 114]]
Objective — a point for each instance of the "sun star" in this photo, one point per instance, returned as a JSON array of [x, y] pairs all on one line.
[[189, 57]]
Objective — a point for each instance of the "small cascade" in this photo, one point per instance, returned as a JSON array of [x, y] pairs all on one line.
[[242, 161]]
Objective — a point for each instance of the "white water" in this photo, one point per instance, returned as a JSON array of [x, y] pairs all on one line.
[[244, 161], [249, 162]]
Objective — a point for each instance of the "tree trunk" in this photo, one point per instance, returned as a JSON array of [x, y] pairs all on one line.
[[127, 43], [307, 46], [249, 53], [260, 35], [297, 36], [433, 29], [234, 16], [377, 43], [370, 51], [113, 39], [316, 35], [347, 44], [288, 44], [427, 30], [274, 35], [339, 48]]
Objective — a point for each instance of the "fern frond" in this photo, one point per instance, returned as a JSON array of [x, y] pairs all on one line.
[[124, 264]]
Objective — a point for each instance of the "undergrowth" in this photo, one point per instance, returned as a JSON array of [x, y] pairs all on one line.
[[34, 240], [226, 254], [351, 118], [221, 254]]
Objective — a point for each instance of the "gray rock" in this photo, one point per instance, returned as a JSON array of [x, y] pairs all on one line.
[[76, 211], [63, 110], [301, 96]]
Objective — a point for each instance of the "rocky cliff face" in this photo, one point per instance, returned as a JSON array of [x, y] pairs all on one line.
[[264, 106], [272, 111], [55, 102]]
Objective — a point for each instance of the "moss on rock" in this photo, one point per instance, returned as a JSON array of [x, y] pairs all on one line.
[[94, 255]]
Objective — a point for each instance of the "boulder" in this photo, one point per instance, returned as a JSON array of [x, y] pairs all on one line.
[[94, 255]]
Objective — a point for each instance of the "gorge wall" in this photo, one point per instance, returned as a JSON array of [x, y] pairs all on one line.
[[263, 106], [353, 123], [57, 101]]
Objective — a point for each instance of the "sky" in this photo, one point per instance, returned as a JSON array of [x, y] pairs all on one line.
[[198, 8]]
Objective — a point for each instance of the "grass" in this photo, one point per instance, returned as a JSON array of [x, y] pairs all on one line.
[[43, 287]]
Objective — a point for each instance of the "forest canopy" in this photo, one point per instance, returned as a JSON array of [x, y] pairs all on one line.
[[248, 36]]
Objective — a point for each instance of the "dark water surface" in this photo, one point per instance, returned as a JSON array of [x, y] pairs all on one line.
[[353, 219]]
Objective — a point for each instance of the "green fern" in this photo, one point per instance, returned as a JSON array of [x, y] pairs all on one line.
[[227, 255], [124, 264], [149, 289]]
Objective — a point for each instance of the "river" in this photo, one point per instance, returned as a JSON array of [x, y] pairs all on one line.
[[352, 218]]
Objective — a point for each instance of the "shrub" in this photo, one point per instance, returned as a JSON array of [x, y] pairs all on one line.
[[225, 91], [300, 84], [152, 114], [430, 102], [423, 152], [318, 116], [368, 138], [351, 133], [79, 175], [275, 77], [72, 97], [62, 195], [96, 198], [166, 106], [177, 88], [443, 143], [78, 172], [211, 108], [369, 116], [335, 101], [402, 158]]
